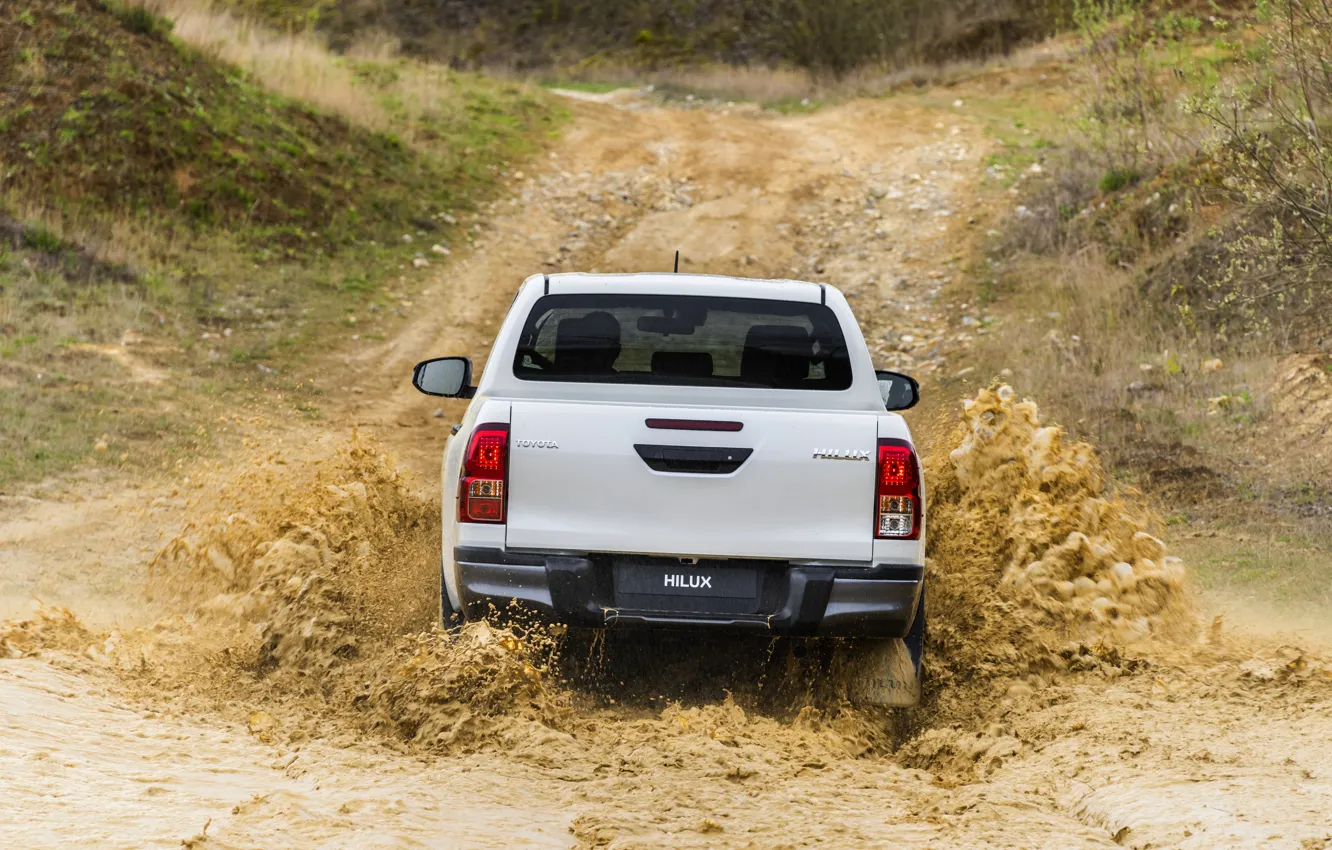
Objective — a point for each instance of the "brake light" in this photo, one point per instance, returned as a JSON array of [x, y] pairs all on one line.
[[482, 492], [898, 492], [694, 425]]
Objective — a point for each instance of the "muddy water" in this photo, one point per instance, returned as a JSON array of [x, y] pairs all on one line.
[[280, 684]]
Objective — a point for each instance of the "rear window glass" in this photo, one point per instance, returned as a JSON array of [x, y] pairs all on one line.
[[683, 340]]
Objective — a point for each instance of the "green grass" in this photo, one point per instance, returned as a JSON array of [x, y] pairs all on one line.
[[1023, 124], [1116, 179], [283, 14], [59, 393], [794, 105], [1288, 570]]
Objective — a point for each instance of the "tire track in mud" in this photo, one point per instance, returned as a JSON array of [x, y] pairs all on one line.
[[296, 699]]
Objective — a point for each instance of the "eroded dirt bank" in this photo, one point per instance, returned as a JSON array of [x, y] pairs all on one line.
[[273, 678]]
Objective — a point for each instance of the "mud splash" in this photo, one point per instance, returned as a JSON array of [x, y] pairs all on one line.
[[318, 590], [310, 593], [1302, 398], [307, 599], [314, 587], [321, 586], [1035, 571], [322, 553], [49, 628], [467, 690], [1014, 496]]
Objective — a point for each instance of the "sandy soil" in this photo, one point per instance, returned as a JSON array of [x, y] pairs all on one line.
[[292, 698]]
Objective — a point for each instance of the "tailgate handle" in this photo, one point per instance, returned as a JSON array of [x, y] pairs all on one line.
[[702, 460]]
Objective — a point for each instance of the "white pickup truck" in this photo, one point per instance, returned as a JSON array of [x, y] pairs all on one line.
[[687, 452]]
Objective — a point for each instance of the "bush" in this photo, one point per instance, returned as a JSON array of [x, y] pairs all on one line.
[[1274, 156], [833, 36], [1116, 179], [39, 238], [826, 37], [140, 21]]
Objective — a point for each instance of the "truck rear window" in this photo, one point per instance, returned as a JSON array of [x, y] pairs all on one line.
[[683, 340]]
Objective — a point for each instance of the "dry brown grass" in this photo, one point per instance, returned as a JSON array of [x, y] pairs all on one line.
[[296, 65], [116, 239], [1121, 369], [369, 86]]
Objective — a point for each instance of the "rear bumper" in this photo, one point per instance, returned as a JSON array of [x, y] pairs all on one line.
[[871, 600]]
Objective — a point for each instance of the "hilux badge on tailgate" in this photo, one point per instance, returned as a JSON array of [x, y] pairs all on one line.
[[841, 454]]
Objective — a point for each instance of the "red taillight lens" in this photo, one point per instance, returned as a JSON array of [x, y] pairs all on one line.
[[694, 425], [897, 509], [482, 490]]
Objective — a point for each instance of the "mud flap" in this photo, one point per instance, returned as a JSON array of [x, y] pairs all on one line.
[[882, 672]]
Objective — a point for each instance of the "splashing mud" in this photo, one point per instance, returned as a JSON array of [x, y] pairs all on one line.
[[1034, 571], [469, 689], [49, 628], [1025, 536], [1302, 399], [316, 587], [313, 589], [324, 554], [307, 596]]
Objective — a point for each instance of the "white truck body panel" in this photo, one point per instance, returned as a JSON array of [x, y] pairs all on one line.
[[594, 493]]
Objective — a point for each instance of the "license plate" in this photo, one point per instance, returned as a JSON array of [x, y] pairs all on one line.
[[673, 585]]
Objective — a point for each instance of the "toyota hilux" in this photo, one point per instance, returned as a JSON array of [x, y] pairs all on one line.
[[681, 451]]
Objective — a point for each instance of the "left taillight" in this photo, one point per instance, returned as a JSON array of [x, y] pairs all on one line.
[[897, 497], [482, 490]]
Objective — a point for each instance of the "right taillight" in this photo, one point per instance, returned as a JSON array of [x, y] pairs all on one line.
[[897, 514], [485, 473]]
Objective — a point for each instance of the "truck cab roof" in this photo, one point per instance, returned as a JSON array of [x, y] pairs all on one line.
[[500, 381], [667, 283]]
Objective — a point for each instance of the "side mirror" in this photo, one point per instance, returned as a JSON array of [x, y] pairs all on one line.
[[899, 391], [450, 377]]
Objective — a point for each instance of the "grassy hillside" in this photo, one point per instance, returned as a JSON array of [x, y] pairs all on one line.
[[1166, 271], [154, 194], [106, 113]]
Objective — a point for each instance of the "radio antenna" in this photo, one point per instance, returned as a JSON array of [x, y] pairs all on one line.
[[677, 262]]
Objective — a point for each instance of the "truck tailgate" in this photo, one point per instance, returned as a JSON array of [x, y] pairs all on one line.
[[589, 477]]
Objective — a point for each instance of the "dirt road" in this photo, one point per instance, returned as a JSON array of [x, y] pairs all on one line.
[[282, 693]]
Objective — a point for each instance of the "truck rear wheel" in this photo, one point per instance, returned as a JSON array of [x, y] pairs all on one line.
[[887, 671], [449, 617], [915, 638]]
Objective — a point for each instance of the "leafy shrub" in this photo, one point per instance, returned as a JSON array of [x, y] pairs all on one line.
[[1116, 179], [1273, 155], [39, 238], [140, 21], [827, 37]]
